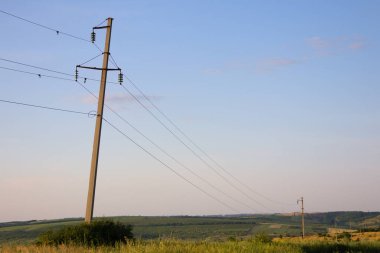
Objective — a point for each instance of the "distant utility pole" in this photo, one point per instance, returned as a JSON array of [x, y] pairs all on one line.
[[302, 216], [99, 116]]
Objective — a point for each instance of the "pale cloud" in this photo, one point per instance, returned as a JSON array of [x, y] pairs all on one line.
[[356, 45], [318, 43], [213, 71], [271, 64], [320, 47], [334, 45]]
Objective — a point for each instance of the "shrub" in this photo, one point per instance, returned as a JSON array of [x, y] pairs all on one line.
[[262, 238], [345, 236], [98, 232]]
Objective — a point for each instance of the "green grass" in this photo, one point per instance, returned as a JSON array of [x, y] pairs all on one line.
[[181, 246], [197, 228]]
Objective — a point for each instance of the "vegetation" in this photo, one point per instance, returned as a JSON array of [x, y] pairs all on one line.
[[171, 246], [244, 233], [202, 227], [98, 233]]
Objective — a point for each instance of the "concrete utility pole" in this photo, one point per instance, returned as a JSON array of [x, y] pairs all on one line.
[[302, 216], [98, 127]]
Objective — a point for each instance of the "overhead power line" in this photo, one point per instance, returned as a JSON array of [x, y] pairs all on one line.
[[122, 118], [57, 31], [170, 168], [195, 153], [192, 142], [166, 153], [153, 115], [76, 37], [49, 70], [196, 145], [36, 74], [46, 107]]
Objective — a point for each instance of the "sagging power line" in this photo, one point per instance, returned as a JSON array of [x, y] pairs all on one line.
[[156, 107], [118, 115], [90, 114], [137, 130]]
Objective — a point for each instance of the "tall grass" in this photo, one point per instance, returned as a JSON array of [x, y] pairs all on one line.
[[163, 246], [178, 246]]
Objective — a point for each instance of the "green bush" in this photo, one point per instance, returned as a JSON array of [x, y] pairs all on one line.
[[262, 237], [345, 236], [97, 233]]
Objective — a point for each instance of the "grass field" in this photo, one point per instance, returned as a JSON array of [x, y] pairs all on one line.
[[180, 227], [213, 234], [171, 246], [204, 227]]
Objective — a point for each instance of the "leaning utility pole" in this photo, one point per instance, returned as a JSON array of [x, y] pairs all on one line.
[[98, 127], [302, 216]]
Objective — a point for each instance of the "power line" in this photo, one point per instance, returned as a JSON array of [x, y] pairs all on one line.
[[188, 138], [58, 32], [193, 152], [32, 66], [66, 79], [36, 74], [93, 58], [117, 114], [46, 107], [153, 115], [198, 147], [48, 70], [170, 168], [166, 153]]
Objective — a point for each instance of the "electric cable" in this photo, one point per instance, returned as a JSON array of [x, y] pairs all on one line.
[[58, 32], [168, 167], [46, 107], [198, 147], [166, 153]]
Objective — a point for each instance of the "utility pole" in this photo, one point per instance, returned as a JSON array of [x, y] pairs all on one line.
[[302, 216], [98, 126]]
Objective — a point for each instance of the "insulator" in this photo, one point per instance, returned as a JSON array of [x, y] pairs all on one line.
[[93, 34], [76, 74], [120, 78], [85, 79]]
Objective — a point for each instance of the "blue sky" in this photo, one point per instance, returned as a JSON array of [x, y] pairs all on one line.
[[284, 94]]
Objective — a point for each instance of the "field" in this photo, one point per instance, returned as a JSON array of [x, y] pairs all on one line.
[[171, 246], [216, 234]]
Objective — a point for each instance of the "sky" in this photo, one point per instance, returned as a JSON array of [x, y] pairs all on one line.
[[284, 95]]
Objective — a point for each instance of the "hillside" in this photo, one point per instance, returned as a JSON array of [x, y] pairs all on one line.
[[206, 227]]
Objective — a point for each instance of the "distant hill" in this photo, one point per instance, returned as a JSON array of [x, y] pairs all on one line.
[[207, 227]]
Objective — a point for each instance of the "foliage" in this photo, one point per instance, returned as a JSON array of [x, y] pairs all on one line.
[[341, 247], [164, 246], [346, 236], [262, 237], [197, 228], [183, 246], [98, 232]]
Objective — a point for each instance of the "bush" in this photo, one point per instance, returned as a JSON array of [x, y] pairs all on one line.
[[262, 238], [345, 236], [97, 233]]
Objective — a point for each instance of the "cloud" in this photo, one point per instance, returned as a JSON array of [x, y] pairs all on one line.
[[318, 43], [334, 45], [271, 64], [356, 45]]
